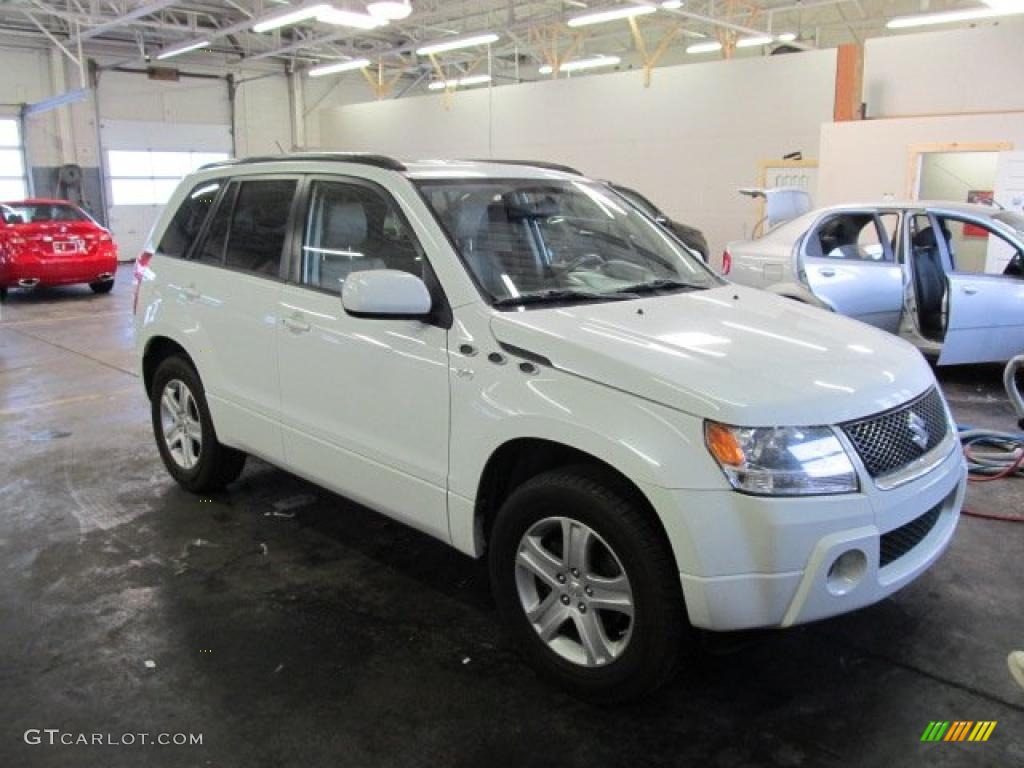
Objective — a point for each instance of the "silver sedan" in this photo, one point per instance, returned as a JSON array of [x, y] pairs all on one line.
[[948, 277]]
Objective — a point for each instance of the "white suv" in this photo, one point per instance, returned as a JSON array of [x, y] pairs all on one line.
[[519, 362]]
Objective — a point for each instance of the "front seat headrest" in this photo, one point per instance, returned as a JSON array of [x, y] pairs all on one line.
[[345, 225], [925, 238]]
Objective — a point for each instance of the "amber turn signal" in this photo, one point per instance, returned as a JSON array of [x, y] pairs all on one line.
[[723, 444]]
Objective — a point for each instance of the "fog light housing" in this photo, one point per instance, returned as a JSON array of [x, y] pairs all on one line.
[[846, 572]]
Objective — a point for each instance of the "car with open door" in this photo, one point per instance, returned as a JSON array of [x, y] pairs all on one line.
[[53, 242], [948, 277]]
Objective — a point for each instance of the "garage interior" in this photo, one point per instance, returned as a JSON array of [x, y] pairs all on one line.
[[290, 626]]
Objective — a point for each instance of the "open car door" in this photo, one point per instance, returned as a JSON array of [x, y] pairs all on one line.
[[849, 263], [985, 311]]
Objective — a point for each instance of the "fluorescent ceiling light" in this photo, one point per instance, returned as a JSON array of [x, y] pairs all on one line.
[[177, 50], [614, 14], [322, 12], [437, 85], [340, 18], [454, 45], [753, 41], [952, 17], [289, 17], [709, 47], [578, 64], [786, 37], [341, 66], [672, 5], [391, 10]]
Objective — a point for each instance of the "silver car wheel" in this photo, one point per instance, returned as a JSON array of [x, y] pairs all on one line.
[[181, 424], [574, 591]]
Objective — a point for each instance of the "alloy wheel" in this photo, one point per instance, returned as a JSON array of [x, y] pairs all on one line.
[[181, 424], [574, 591]]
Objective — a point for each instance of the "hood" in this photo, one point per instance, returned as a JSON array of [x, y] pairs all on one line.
[[732, 354]]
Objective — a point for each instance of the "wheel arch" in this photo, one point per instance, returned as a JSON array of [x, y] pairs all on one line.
[[799, 293], [158, 349], [519, 459]]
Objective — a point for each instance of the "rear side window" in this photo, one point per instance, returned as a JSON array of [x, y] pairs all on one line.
[[259, 224], [189, 219], [850, 236]]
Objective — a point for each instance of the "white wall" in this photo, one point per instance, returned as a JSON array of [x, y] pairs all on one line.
[[688, 142], [868, 160], [951, 71]]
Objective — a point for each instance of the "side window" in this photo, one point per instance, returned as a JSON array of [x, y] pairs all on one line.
[[851, 236], [259, 224], [189, 219], [976, 248], [212, 250], [352, 227]]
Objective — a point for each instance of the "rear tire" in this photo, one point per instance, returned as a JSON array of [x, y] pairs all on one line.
[[615, 604], [3, 293], [102, 286], [184, 430]]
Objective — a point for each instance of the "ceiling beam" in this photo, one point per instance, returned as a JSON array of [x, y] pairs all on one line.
[[147, 9]]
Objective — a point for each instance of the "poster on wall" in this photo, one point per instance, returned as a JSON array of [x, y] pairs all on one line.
[[978, 197]]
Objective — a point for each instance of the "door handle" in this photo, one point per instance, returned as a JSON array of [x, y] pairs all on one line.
[[828, 272], [190, 292], [970, 290], [296, 324]]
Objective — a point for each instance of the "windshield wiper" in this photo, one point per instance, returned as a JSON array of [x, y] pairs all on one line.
[[655, 286], [559, 295]]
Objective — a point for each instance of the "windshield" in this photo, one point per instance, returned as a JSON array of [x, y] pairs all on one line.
[[532, 241], [30, 213]]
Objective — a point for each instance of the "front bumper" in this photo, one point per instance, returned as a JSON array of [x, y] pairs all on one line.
[[750, 561]]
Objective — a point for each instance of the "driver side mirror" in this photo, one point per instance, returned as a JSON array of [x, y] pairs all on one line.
[[386, 293]]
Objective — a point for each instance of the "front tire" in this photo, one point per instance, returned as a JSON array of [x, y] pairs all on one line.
[[102, 286], [184, 430], [587, 586]]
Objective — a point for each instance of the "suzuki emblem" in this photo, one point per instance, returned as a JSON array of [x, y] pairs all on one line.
[[918, 431]]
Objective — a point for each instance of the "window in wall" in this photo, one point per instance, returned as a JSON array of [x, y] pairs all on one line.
[[12, 166], [142, 177]]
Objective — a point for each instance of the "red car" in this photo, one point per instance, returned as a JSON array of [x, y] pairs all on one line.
[[53, 242]]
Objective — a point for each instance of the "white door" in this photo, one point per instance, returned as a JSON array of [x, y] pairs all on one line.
[[849, 262], [234, 285], [364, 400], [985, 311]]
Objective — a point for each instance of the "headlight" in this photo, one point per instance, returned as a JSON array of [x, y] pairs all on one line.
[[781, 461]]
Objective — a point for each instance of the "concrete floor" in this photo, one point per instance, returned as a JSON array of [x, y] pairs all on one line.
[[292, 628]]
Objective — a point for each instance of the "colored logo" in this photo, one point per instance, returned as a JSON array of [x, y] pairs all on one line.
[[918, 431], [959, 730]]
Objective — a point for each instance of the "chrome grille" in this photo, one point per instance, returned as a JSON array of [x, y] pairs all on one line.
[[890, 441], [896, 543]]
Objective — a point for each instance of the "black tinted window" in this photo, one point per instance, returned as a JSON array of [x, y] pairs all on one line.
[[212, 251], [352, 227], [188, 221], [258, 225]]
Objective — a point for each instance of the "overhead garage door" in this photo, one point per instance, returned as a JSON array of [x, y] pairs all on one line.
[[153, 133]]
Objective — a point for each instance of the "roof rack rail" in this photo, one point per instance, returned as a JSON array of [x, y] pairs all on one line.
[[534, 164], [363, 158]]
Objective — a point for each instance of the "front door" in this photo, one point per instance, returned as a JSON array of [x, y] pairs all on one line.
[[364, 400], [986, 311], [849, 263]]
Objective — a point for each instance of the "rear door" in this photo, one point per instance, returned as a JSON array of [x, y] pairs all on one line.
[[985, 311], [849, 262], [232, 291]]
